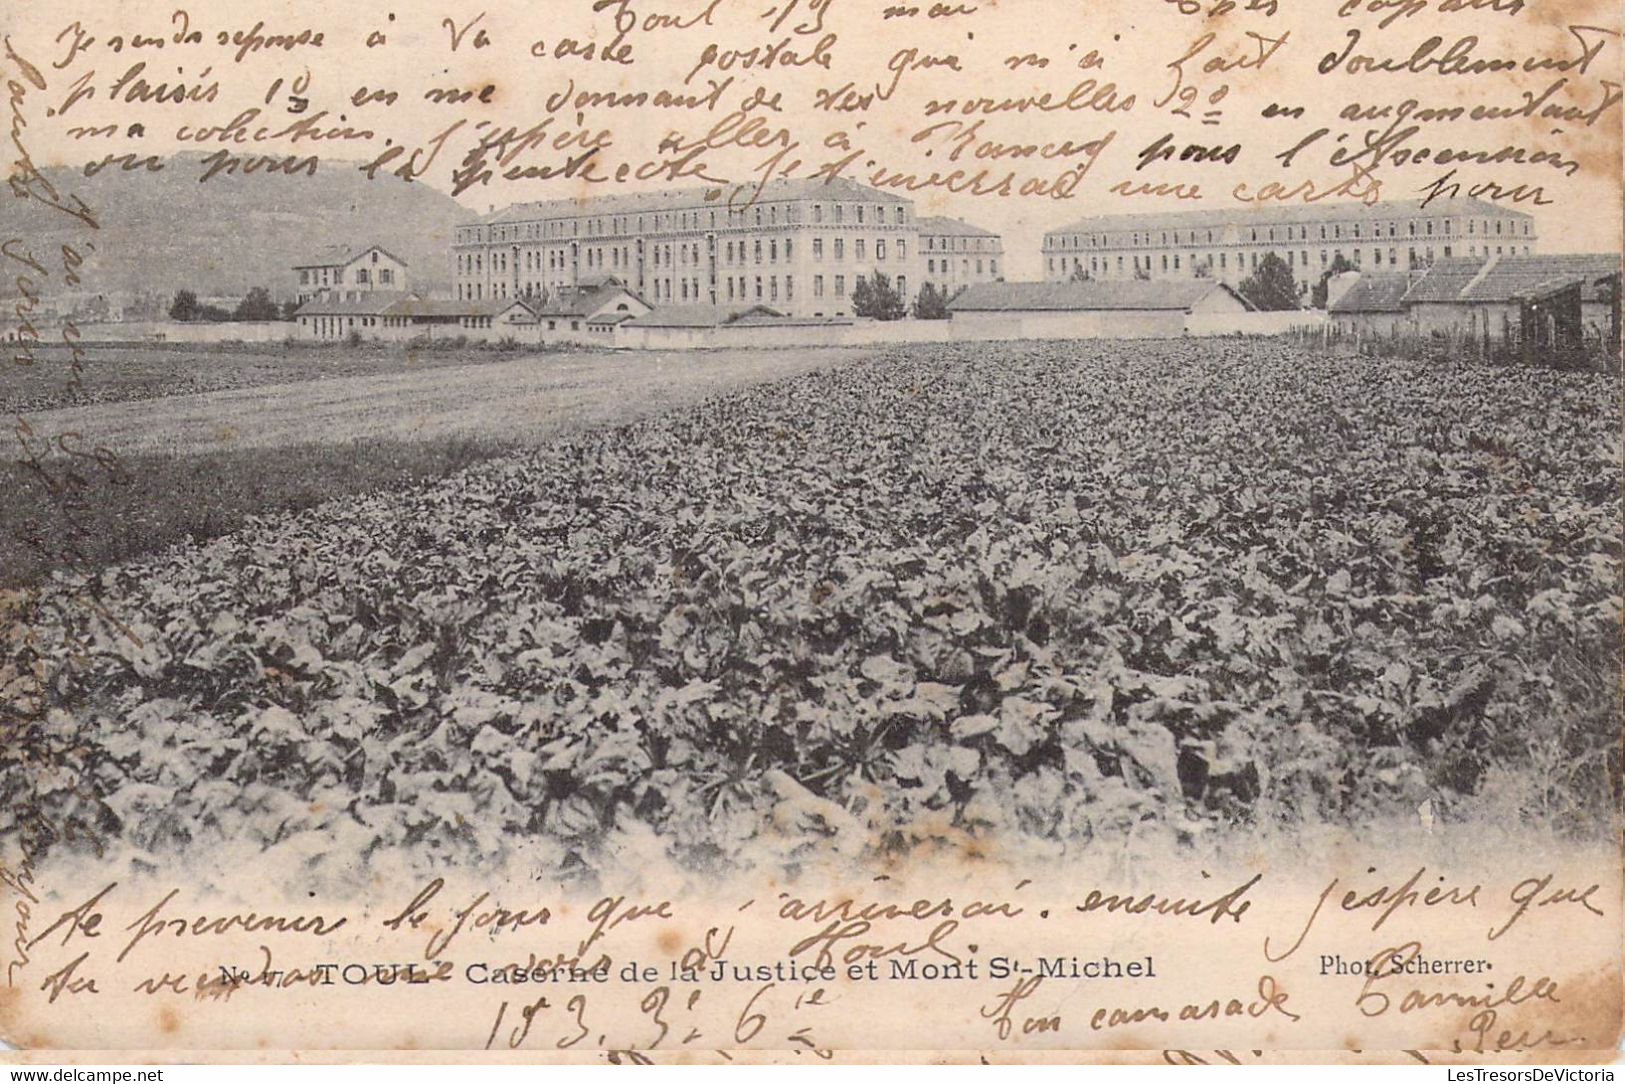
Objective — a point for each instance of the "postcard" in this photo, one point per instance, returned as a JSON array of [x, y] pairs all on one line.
[[812, 531]]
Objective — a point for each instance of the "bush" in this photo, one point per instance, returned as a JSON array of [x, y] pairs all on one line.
[[930, 304]]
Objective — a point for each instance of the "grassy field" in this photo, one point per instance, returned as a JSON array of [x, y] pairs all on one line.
[[117, 372], [196, 466]]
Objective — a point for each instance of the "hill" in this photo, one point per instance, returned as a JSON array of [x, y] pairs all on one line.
[[166, 231]]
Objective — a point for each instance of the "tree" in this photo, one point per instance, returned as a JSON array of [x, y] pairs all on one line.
[[874, 297], [289, 308], [1081, 273], [1270, 288], [256, 306], [930, 304], [184, 307], [1204, 270], [1317, 297]]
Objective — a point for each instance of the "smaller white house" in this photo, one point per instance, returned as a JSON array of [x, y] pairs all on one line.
[[589, 312], [348, 272]]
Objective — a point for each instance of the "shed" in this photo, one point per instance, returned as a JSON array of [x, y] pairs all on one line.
[[1373, 306], [1115, 308]]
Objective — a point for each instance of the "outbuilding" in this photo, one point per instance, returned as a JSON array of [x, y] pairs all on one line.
[[1115, 309]]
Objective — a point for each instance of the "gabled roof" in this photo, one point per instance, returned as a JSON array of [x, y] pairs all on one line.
[[1295, 214], [1513, 278], [374, 303], [584, 301], [701, 315], [1526, 276], [344, 255], [1445, 279], [942, 226], [1094, 295], [609, 319], [1374, 292]]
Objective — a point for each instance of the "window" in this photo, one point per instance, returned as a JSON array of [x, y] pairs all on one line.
[[860, 214], [363, 276], [880, 249], [902, 249], [840, 285], [818, 248], [818, 213], [840, 248], [789, 288], [386, 277], [857, 249], [818, 285]]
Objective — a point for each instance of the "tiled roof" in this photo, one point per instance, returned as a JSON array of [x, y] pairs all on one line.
[[1510, 278], [1525, 276], [367, 304], [691, 199], [700, 315], [1445, 280], [396, 303], [1112, 294], [432, 307], [1294, 214], [941, 226], [1374, 292], [580, 302]]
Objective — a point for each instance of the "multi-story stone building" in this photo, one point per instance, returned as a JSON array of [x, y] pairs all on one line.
[[1226, 243], [958, 254], [799, 246]]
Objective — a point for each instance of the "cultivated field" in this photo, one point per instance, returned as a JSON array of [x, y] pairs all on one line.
[[1071, 592], [194, 466]]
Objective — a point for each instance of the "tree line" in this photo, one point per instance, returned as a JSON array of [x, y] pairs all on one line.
[[257, 306]]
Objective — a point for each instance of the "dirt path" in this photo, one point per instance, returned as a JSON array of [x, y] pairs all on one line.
[[527, 399]]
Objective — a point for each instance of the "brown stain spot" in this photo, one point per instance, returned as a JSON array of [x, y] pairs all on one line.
[[11, 1003], [169, 1022], [669, 941]]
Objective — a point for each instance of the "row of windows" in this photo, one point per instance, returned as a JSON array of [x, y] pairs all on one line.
[[945, 265], [1102, 265], [1326, 232], [965, 244], [771, 214], [687, 254]]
